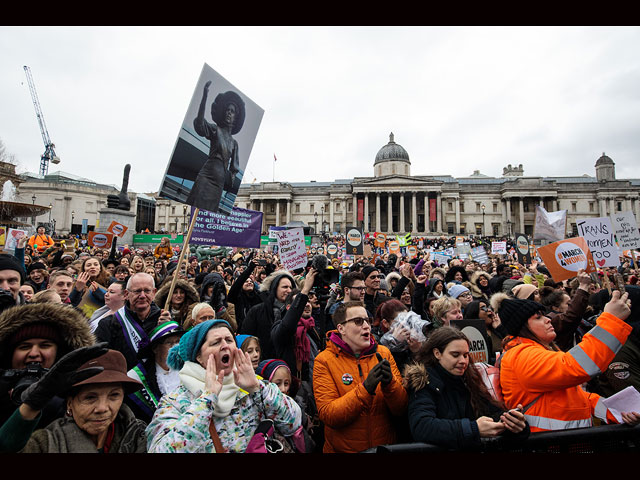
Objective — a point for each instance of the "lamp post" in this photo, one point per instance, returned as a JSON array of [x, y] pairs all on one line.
[[184, 218], [483, 207], [33, 218], [322, 217], [509, 227], [315, 222], [53, 228], [73, 214]]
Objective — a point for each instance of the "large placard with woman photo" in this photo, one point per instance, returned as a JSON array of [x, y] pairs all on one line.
[[213, 146]]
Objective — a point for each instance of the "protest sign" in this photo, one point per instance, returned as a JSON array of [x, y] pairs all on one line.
[[459, 239], [13, 235], [626, 230], [412, 251], [291, 248], [117, 229], [564, 258], [440, 257], [380, 240], [3, 232], [100, 240], [599, 235], [367, 251], [476, 332], [332, 250], [549, 226], [522, 249], [354, 241], [499, 248], [479, 254], [241, 228], [204, 170], [463, 250], [394, 247]]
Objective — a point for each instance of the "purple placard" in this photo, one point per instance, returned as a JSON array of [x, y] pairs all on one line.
[[241, 228]]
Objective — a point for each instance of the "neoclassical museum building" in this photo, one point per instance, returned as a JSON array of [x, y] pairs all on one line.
[[394, 201]]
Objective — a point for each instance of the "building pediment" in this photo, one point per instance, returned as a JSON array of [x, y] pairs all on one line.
[[401, 181]]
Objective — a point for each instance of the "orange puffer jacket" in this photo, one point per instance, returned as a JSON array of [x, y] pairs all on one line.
[[355, 420], [529, 372]]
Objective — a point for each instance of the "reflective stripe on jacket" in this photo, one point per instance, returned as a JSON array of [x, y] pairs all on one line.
[[529, 370]]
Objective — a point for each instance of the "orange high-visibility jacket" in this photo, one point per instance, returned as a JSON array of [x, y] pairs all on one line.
[[40, 243], [355, 420], [529, 371]]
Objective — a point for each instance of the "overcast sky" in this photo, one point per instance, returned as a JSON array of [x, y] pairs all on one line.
[[457, 99]]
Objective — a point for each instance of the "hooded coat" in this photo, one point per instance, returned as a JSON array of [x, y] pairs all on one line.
[[477, 292], [261, 317], [76, 333], [241, 299], [354, 419], [191, 297], [218, 299]]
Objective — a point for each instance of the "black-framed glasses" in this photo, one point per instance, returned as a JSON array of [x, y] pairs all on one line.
[[357, 288], [358, 321], [486, 309]]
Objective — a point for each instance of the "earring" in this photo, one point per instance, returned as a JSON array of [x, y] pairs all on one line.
[[69, 414]]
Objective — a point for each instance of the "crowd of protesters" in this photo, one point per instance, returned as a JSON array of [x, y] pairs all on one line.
[[120, 350]]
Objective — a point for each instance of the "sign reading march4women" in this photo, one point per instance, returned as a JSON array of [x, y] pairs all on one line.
[[563, 259], [213, 146]]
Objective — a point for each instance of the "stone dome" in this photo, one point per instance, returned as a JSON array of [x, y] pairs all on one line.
[[392, 152], [604, 160]]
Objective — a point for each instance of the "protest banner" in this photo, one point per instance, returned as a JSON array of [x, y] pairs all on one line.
[[394, 247], [476, 332], [626, 229], [412, 251], [549, 226], [522, 249], [479, 254], [463, 250], [499, 248], [332, 250], [117, 229], [99, 240], [205, 171], [291, 248], [459, 239], [367, 250], [380, 240], [12, 237], [404, 240], [354, 241], [441, 258], [241, 228], [564, 258], [599, 235]]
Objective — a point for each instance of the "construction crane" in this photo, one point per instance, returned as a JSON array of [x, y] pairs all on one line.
[[49, 154]]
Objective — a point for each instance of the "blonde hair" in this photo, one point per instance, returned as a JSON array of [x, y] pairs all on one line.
[[45, 296], [443, 305]]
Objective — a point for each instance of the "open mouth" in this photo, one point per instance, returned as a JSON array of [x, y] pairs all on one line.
[[224, 360]]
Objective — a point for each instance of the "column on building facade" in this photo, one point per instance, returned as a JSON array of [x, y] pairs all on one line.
[[602, 207], [555, 205], [166, 217], [439, 224], [427, 223], [612, 205], [378, 229], [331, 210], [389, 214], [277, 212], [288, 210], [458, 215], [401, 214], [627, 204], [354, 209], [366, 212], [263, 215], [414, 212], [521, 214]]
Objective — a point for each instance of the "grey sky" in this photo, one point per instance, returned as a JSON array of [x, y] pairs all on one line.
[[457, 99]]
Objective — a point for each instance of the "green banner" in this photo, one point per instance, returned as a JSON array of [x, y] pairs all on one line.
[[141, 238], [265, 240]]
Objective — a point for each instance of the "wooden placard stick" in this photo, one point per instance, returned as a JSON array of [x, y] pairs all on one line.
[[185, 246]]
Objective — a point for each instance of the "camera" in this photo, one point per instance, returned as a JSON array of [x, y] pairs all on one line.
[[6, 299], [22, 378], [325, 277]]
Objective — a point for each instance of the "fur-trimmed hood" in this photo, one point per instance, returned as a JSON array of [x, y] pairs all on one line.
[[73, 324], [440, 270], [477, 274], [270, 283], [392, 275], [191, 294]]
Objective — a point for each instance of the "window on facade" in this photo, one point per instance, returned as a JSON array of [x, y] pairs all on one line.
[[173, 210], [462, 229], [462, 206], [273, 208], [574, 229], [478, 229], [349, 207], [495, 208], [450, 228], [574, 206], [592, 206], [619, 206], [525, 206], [496, 228], [337, 206], [311, 208], [450, 207], [297, 208], [477, 206]]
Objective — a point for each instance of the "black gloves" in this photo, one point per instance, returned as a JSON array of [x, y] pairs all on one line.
[[63, 375], [381, 373]]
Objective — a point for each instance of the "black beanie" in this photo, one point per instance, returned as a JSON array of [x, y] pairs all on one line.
[[9, 262], [514, 313], [366, 271]]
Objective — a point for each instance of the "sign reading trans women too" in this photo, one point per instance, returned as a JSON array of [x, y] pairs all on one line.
[[291, 248]]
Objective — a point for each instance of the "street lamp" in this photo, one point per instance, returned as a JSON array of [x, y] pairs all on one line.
[[322, 217], [315, 222], [73, 214], [33, 218], [483, 207], [184, 217], [509, 227]]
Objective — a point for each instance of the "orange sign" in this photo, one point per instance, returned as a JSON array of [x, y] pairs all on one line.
[[565, 257], [412, 251], [117, 229], [100, 240], [380, 240], [394, 247]]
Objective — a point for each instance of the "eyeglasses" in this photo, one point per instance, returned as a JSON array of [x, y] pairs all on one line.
[[486, 309], [465, 294], [357, 288], [358, 321], [146, 291]]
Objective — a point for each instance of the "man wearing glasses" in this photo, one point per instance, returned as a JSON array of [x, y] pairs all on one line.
[[357, 385], [353, 288], [372, 295], [131, 324], [462, 293]]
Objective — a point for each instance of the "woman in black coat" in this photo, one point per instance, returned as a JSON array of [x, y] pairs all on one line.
[[243, 293], [449, 406]]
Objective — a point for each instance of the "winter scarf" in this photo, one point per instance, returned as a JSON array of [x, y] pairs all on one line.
[[192, 376], [303, 344]]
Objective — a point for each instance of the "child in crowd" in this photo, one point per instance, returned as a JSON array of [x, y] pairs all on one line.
[[251, 346]]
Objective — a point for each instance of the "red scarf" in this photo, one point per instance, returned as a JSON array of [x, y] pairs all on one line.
[[303, 345]]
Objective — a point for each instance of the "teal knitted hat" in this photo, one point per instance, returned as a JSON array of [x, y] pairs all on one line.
[[190, 343]]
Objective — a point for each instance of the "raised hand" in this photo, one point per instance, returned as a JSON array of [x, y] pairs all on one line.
[[212, 379], [619, 305], [244, 375]]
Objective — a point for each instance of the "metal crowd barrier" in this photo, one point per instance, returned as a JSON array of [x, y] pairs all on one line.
[[599, 439]]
